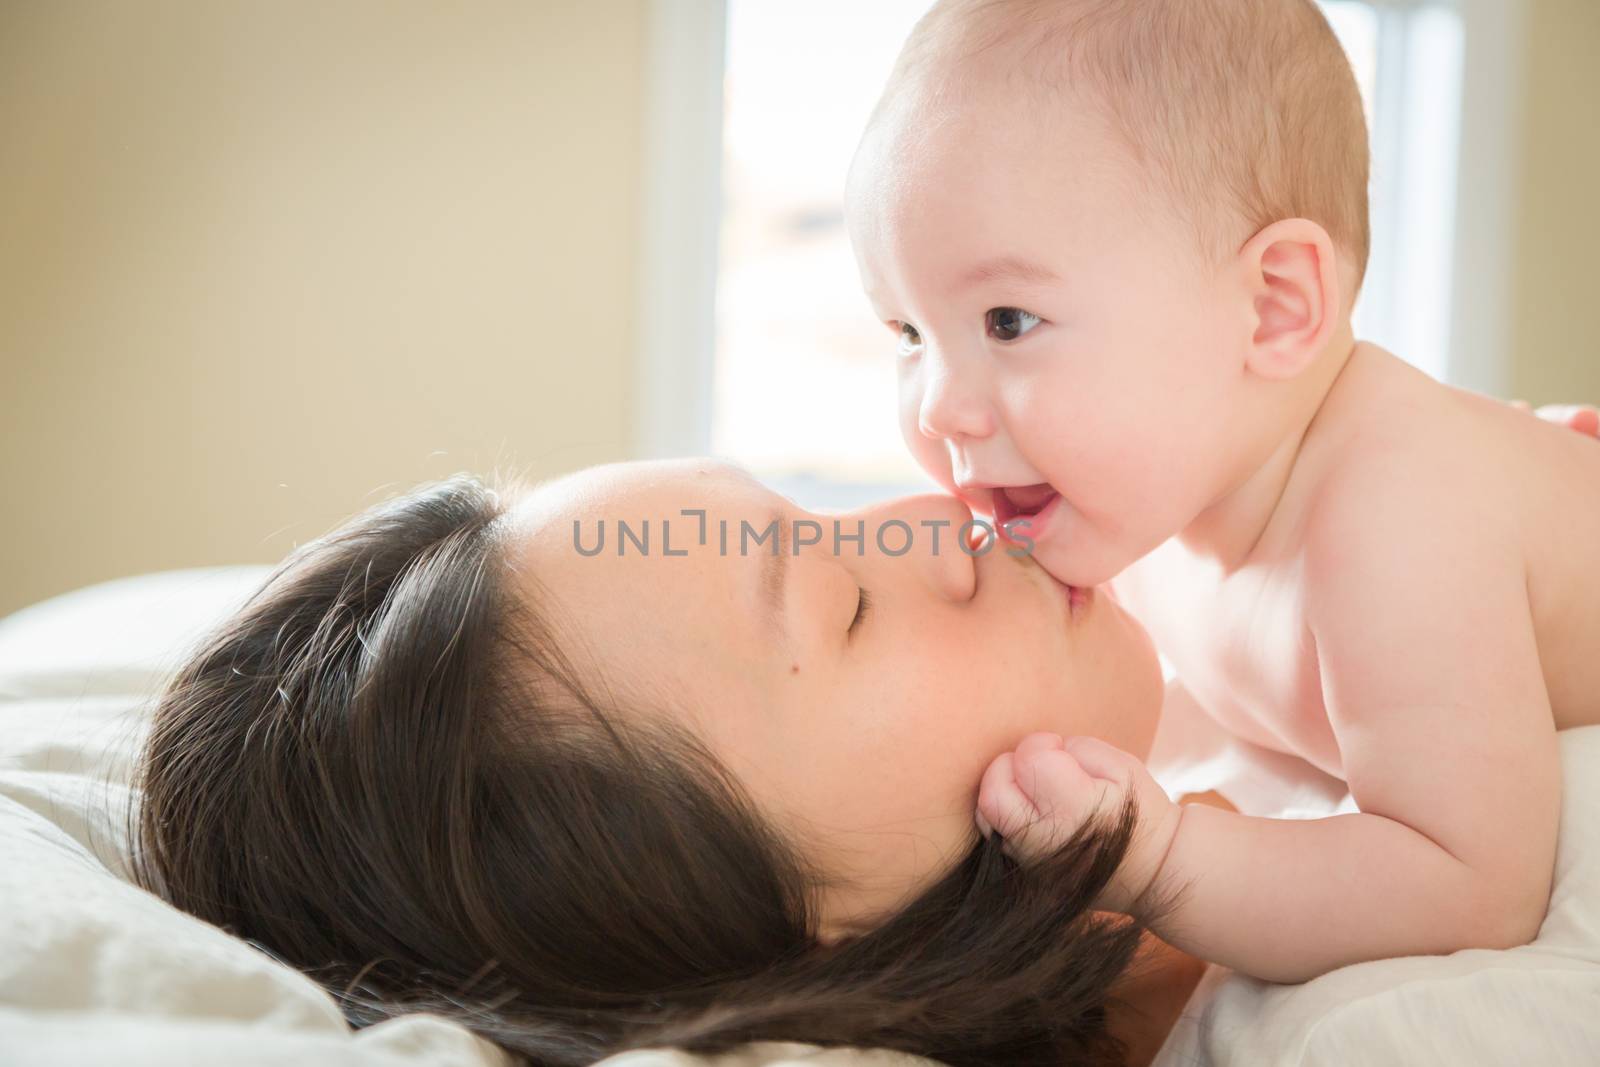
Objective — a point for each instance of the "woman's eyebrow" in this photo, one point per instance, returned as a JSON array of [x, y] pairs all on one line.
[[775, 572]]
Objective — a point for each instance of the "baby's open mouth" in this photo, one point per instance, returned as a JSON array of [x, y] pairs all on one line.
[[1021, 502]]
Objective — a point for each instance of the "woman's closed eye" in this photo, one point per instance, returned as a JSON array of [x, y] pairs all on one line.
[[863, 605], [1008, 324]]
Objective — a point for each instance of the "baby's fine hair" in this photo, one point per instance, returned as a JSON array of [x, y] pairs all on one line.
[[1244, 112]]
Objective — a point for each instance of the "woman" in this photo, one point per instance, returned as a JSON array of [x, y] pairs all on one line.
[[681, 791]]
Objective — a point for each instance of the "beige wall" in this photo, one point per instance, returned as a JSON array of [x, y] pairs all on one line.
[[260, 260], [1555, 316]]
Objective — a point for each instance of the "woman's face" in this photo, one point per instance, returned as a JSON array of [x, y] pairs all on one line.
[[862, 732]]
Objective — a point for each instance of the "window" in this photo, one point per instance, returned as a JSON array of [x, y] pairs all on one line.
[[802, 380]]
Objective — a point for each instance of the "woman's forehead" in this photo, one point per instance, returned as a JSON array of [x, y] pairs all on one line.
[[634, 557], [637, 490]]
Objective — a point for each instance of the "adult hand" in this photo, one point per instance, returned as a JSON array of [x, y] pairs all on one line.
[[1581, 417]]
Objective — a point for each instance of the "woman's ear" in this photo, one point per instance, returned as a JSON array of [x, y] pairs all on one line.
[[1291, 274], [831, 931], [828, 936]]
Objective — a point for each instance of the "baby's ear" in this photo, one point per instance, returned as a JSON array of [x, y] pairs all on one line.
[[1291, 273]]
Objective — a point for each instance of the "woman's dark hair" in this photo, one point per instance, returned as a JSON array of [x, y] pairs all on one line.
[[383, 771]]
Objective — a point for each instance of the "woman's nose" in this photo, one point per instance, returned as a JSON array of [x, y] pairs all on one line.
[[924, 536], [951, 406]]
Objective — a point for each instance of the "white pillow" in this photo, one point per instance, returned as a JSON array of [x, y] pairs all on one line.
[[92, 969]]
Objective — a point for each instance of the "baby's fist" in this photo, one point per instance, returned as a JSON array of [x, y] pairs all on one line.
[[1038, 795]]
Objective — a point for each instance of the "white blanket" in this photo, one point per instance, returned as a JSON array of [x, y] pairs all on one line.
[[93, 970]]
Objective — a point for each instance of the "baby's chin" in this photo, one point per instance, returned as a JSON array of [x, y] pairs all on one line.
[[1079, 561]]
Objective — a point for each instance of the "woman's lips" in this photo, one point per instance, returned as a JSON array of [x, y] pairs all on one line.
[[1078, 599]]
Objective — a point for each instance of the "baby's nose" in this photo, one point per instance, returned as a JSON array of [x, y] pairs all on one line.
[[953, 407]]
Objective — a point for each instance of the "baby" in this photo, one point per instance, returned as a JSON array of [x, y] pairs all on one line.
[[1118, 242]]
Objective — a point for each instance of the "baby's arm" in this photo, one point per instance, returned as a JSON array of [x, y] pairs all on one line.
[[1419, 609], [1281, 899]]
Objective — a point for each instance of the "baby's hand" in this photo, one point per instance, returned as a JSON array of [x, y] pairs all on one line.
[[1038, 795]]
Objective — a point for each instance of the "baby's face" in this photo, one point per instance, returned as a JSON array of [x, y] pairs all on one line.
[[1066, 355]]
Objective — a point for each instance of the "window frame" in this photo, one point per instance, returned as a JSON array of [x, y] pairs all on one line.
[[680, 220]]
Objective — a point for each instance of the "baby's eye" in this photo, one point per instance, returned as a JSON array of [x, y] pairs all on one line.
[[910, 339], [1008, 324]]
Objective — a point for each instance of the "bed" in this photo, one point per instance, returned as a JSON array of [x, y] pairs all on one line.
[[94, 970]]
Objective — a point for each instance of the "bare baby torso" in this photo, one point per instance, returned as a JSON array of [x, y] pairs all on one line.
[[1241, 641]]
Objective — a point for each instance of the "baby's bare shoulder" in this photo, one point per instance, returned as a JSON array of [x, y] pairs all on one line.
[[1405, 462], [1406, 451]]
